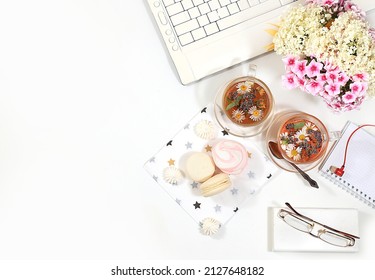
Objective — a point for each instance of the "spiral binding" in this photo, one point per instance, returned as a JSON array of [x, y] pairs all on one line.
[[349, 188]]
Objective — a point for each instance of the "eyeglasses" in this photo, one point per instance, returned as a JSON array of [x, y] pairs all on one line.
[[325, 233]]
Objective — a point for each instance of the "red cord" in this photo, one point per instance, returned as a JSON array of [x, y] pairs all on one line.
[[347, 144]]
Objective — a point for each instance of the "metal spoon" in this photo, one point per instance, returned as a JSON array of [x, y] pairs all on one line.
[[274, 148]]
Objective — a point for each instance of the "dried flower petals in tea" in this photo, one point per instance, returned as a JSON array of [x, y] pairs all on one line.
[[246, 103], [301, 141]]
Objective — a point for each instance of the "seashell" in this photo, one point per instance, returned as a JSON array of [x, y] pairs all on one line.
[[209, 226], [172, 175], [205, 130]]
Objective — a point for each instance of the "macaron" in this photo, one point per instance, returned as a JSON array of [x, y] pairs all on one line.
[[200, 166], [216, 184], [230, 156]]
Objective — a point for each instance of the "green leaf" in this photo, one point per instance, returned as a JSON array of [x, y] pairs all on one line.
[[299, 125], [234, 103]]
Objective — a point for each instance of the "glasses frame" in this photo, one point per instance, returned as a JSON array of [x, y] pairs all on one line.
[[326, 229]]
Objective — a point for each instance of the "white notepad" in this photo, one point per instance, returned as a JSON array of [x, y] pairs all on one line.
[[284, 238], [359, 176]]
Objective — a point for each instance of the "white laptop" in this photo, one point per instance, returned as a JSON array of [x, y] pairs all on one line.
[[207, 36]]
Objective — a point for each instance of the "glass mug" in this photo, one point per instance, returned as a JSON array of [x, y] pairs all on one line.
[[301, 138], [244, 105]]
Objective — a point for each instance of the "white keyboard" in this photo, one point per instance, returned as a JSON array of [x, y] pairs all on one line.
[[194, 20]]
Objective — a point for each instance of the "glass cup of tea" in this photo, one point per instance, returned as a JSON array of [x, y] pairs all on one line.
[[244, 105], [301, 139]]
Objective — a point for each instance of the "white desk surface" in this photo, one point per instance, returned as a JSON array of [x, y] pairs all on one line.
[[87, 95]]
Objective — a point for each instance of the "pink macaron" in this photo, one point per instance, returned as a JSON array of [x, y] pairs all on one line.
[[230, 156]]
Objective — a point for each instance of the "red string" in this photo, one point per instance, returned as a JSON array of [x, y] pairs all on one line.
[[347, 142]]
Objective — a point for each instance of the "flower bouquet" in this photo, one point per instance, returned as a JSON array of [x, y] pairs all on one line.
[[329, 51]]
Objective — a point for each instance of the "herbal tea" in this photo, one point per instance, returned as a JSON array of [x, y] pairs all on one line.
[[301, 141], [246, 102]]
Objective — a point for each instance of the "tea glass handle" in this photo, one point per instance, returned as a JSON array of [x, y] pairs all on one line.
[[252, 70], [334, 135]]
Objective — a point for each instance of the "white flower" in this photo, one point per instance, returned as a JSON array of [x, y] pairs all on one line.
[[238, 115], [310, 126], [347, 43], [302, 135], [294, 152], [284, 140], [255, 113], [244, 87]]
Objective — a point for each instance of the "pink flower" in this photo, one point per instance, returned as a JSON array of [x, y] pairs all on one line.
[[290, 81], [300, 68], [342, 79], [313, 69], [336, 106], [332, 75], [329, 2], [360, 77], [332, 89], [301, 83], [314, 87], [349, 97], [349, 6], [322, 78], [289, 61], [357, 88]]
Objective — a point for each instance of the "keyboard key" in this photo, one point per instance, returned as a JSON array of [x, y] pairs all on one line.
[[198, 33], [186, 26], [187, 4], [243, 4], [203, 20], [213, 16], [168, 2], [174, 9], [211, 28], [253, 12], [186, 39], [197, 2], [204, 8], [224, 2], [223, 12], [233, 8], [180, 18], [214, 5], [194, 12]]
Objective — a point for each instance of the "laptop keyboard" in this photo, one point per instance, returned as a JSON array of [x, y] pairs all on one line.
[[194, 20]]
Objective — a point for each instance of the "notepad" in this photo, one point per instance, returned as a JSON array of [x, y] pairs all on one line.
[[359, 176], [284, 238]]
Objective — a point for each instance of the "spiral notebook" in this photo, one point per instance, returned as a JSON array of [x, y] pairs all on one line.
[[359, 176]]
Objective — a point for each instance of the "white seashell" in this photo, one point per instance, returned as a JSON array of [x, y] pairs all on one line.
[[209, 226], [172, 175], [205, 129]]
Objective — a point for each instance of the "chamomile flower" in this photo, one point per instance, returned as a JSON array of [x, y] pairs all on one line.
[[238, 115], [244, 87], [294, 152], [284, 140], [310, 126], [255, 114], [302, 135]]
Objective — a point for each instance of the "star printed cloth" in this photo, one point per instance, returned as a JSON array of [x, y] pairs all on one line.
[[186, 194]]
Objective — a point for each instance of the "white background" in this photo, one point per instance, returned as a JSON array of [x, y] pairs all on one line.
[[87, 95]]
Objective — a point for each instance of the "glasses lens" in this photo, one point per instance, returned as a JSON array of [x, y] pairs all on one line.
[[336, 239], [297, 223]]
